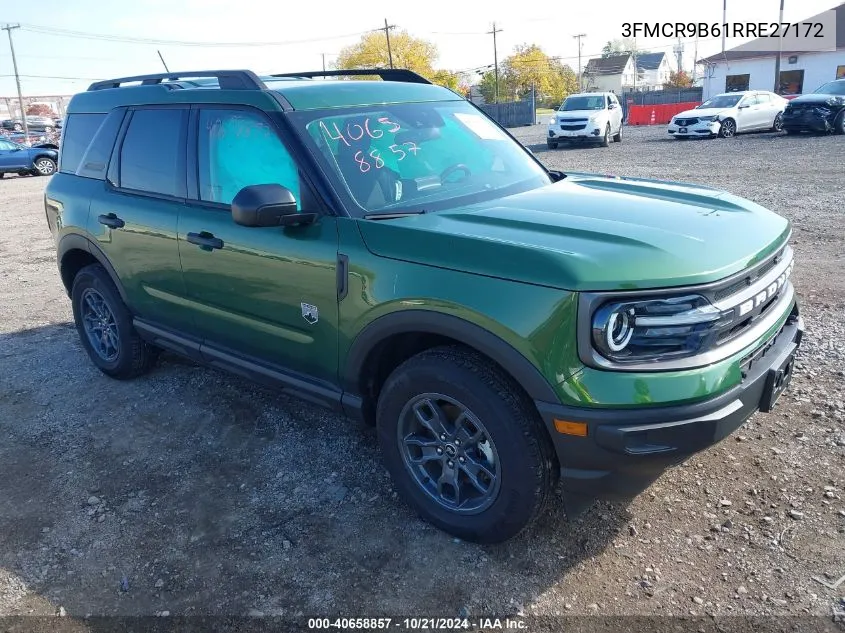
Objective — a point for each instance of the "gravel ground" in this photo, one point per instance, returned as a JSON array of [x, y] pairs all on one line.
[[190, 491]]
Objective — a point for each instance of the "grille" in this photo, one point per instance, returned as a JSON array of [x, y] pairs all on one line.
[[686, 121], [574, 120], [747, 281], [572, 128]]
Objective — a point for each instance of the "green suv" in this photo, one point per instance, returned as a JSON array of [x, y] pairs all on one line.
[[385, 249]]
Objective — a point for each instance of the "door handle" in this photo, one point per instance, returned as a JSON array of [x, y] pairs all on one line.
[[205, 240], [111, 221]]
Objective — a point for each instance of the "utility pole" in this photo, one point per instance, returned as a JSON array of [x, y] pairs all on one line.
[[387, 35], [780, 51], [695, 61], [324, 61], [724, 21], [578, 37], [8, 28], [162, 61], [495, 58], [679, 52]]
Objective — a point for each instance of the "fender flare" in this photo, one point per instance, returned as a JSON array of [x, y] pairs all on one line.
[[431, 322], [75, 241]]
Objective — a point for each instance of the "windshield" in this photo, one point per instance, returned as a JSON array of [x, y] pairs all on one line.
[[414, 157], [583, 103], [722, 101], [832, 88]]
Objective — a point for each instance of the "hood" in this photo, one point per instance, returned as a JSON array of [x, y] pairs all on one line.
[[590, 232], [688, 114], [818, 98], [578, 114]]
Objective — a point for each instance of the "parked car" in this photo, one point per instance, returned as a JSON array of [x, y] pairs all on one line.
[[387, 250], [34, 123], [822, 110], [24, 161], [589, 117], [33, 140], [731, 113]]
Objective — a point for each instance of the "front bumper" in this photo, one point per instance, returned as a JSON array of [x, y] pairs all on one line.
[[626, 449], [591, 131], [702, 128], [806, 121]]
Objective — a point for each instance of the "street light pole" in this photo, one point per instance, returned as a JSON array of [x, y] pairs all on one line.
[[780, 51], [578, 37], [8, 28]]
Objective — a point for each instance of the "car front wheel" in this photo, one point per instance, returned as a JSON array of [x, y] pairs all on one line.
[[728, 128], [839, 123], [45, 166], [464, 446], [777, 126]]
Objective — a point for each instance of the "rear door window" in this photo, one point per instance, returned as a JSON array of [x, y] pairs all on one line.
[[152, 155]]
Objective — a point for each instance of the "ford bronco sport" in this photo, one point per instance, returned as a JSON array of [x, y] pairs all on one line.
[[385, 249]]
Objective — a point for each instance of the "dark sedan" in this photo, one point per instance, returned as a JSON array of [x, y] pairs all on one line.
[[820, 111]]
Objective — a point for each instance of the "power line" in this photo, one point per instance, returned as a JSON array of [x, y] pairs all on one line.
[[48, 30]]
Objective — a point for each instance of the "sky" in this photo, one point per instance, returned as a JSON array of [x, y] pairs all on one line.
[[290, 37]]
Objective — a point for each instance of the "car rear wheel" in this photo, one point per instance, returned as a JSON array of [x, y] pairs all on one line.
[[17, 127], [105, 326], [464, 446], [728, 128], [45, 166], [839, 123]]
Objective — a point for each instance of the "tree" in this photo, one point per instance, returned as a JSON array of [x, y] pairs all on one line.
[[38, 109], [624, 46], [530, 66], [408, 52], [487, 86], [446, 78], [679, 79]]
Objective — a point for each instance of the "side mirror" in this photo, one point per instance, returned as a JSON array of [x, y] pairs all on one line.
[[611, 106], [742, 106], [268, 205]]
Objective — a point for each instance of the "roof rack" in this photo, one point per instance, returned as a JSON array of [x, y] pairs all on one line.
[[387, 74], [227, 79]]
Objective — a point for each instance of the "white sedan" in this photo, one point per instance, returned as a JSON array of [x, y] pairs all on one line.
[[731, 113]]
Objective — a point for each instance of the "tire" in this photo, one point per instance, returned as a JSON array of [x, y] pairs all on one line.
[[617, 138], [551, 145], [17, 127], [125, 355], [515, 448], [839, 123], [728, 128], [777, 125], [44, 166], [606, 139]]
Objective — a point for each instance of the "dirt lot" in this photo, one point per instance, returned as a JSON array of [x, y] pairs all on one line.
[[193, 492]]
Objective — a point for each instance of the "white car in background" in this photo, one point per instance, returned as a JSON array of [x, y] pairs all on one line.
[[591, 116], [731, 113]]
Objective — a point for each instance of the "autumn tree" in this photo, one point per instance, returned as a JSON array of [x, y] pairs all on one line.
[[38, 109], [446, 78], [678, 79], [530, 67], [623, 46]]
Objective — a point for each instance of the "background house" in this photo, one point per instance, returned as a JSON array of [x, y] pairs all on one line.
[[800, 72], [616, 73]]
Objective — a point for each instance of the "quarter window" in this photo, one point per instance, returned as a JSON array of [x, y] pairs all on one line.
[[238, 148], [151, 157], [77, 133]]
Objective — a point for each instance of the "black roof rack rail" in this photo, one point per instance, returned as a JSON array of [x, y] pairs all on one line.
[[227, 79], [387, 74]]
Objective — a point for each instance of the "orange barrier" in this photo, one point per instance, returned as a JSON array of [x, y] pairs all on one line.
[[659, 114]]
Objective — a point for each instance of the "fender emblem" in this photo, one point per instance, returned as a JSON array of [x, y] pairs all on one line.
[[310, 313]]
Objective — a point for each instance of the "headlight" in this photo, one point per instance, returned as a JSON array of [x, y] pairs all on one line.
[[653, 328], [707, 118], [552, 121]]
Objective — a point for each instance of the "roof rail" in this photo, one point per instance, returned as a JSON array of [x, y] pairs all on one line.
[[387, 74], [227, 79]]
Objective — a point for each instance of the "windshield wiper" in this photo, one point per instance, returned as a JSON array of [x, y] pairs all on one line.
[[392, 214]]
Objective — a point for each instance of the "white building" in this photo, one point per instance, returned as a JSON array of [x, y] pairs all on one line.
[[616, 73], [800, 72]]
